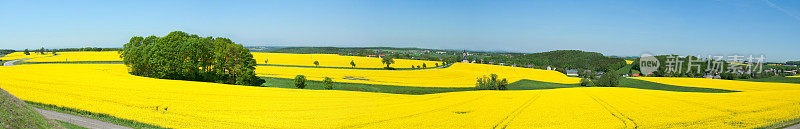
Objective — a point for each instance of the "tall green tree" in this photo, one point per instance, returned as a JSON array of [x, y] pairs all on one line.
[[388, 61], [27, 52], [316, 63]]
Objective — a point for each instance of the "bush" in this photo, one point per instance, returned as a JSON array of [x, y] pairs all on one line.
[[328, 82], [491, 83], [608, 79], [586, 82], [300, 81]]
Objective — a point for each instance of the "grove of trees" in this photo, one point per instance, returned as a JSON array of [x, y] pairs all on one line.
[[182, 56]]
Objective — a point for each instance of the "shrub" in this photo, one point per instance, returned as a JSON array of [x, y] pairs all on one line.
[[586, 82], [300, 81], [316, 63], [608, 79], [27, 52], [437, 64], [424, 66], [491, 83], [328, 83]]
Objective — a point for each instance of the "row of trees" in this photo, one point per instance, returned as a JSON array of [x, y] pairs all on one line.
[[6, 51], [87, 49], [40, 51], [183, 56]]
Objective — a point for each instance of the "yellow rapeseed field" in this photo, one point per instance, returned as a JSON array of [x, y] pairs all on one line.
[[457, 75], [109, 89], [629, 61], [794, 76], [333, 60], [21, 55], [80, 56]]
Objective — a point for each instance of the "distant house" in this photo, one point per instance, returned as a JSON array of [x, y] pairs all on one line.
[[635, 75], [712, 77], [572, 72]]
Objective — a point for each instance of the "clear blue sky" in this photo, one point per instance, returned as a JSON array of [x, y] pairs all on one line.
[[625, 28]]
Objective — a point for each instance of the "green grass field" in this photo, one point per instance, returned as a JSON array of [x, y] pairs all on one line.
[[15, 114], [624, 70], [317, 85], [641, 84], [776, 79], [432, 67], [518, 85]]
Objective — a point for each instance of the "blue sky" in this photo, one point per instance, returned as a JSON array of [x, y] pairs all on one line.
[[625, 28]]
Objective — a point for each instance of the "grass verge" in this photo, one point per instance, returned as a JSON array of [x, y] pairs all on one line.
[[96, 116], [68, 125], [15, 114]]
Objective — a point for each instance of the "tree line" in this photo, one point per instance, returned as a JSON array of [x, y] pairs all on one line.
[[563, 59], [182, 56]]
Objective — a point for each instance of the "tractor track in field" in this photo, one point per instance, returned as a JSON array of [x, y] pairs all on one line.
[[517, 111], [416, 114], [614, 112]]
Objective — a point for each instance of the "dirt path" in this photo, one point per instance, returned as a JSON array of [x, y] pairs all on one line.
[[11, 63], [79, 121]]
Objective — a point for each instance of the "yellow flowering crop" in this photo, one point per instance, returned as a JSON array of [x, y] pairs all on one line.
[[80, 56], [21, 55], [458, 75], [629, 61], [109, 89], [333, 60]]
